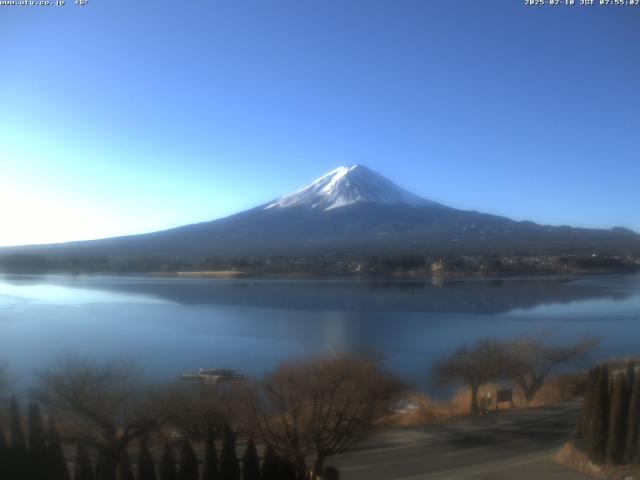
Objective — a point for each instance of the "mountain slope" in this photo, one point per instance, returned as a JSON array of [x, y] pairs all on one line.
[[347, 186], [353, 210]]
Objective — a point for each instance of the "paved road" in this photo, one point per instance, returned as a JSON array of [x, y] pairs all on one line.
[[513, 444]]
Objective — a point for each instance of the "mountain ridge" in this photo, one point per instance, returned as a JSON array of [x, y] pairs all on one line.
[[352, 209], [347, 185]]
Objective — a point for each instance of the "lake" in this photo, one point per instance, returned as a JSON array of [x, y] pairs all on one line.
[[173, 325]]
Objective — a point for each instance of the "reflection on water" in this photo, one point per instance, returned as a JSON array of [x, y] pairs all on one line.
[[52, 294], [172, 325], [474, 296]]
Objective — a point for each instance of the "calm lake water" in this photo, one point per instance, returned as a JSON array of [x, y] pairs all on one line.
[[169, 325]]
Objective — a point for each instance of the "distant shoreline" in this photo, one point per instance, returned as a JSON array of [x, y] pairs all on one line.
[[199, 274], [351, 265], [418, 276]]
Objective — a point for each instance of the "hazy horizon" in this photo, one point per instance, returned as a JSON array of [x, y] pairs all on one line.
[[295, 190]]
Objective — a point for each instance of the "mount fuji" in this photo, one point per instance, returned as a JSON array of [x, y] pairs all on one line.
[[347, 186], [352, 209]]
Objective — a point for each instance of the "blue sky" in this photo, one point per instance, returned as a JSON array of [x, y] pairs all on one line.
[[123, 117]]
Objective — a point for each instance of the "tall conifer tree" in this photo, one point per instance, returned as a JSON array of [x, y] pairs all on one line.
[[229, 467], [125, 471], [4, 455], [598, 429], [146, 469], [270, 464], [286, 470], [167, 470], [83, 470], [188, 466], [631, 376], [18, 443], [37, 442], [17, 461], [102, 470], [617, 421], [633, 427], [330, 473], [250, 462], [210, 467], [585, 414], [56, 462]]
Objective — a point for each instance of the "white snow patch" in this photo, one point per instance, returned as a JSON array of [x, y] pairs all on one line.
[[346, 186]]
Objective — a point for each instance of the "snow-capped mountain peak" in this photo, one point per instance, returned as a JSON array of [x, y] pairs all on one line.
[[346, 186]]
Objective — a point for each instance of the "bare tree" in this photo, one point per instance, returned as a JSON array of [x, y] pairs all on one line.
[[105, 406], [483, 362], [197, 409], [532, 358], [316, 408]]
